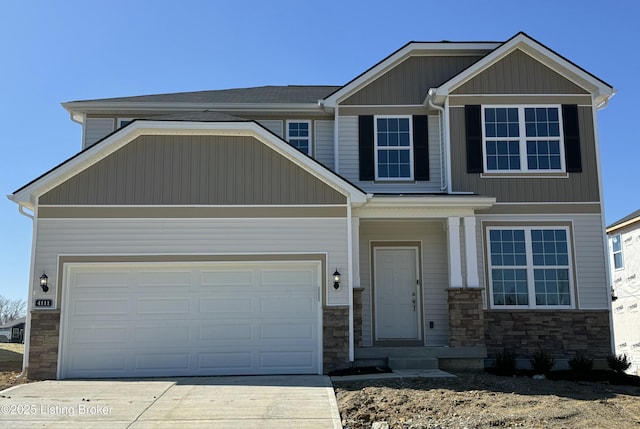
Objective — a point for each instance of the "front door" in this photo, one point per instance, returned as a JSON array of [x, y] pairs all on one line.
[[396, 293]]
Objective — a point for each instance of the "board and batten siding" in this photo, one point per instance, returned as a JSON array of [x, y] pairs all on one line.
[[192, 237], [588, 253], [519, 73], [408, 82], [577, 187], [193, 170], [434, 269], [323, 143], [96, 129], [349, 167]]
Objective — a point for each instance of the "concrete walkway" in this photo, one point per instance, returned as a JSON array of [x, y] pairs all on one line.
[[303, 402]]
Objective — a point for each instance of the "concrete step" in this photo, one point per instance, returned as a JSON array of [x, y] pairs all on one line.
[[413, 363], [371, 362], [421, 352]]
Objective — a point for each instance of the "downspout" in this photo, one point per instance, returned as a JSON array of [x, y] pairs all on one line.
[[443, 145], [336, 162], [350, 263], [27, 327]]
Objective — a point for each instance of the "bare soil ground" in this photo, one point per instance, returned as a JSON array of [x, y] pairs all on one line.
[[10, 364], [476, 401]]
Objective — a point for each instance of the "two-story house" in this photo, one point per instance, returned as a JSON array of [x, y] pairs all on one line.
[[624, 262], [440, 208]]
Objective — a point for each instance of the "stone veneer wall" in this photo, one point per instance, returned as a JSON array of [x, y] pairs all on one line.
[[335, 338], [466, 317], [357, 317], [562, 333], [43, 345]]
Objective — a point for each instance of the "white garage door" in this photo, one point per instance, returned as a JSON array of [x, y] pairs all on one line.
[[172, 319]]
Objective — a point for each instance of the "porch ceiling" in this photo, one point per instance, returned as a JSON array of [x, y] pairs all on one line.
[[423, 206]]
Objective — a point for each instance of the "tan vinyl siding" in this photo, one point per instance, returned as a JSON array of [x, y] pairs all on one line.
[[577, 187], [193, 170], [518, 73], [323, 143], [96, 129], [409, 81], [434, 270], [192, 237]]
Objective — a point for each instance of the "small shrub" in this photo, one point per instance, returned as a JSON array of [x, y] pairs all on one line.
[[506, 363], [581, 363], [619, 363], [542, 362]]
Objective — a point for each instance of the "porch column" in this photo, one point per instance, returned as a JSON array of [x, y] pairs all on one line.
[[355, 251], [455, 259], [471, 252]]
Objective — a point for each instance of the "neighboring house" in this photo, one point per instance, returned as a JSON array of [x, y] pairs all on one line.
[[455, 187], [624, 261], [13, 331]]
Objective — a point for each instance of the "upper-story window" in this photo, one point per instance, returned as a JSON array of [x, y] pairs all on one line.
[[523, 139], [529, 267], [393, 148], [123, 122], [616, 248], [299, 135]]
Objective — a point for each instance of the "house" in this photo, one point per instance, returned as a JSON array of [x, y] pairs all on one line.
[[440, 208], [13, 331], [624, 262]]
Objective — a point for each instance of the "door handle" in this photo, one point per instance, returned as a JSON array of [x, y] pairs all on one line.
[[413, 300]]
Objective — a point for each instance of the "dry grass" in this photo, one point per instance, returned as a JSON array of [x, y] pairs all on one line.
[[10, 364]]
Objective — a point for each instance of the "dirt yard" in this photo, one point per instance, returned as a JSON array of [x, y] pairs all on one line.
[[10, 364], [475, 401]]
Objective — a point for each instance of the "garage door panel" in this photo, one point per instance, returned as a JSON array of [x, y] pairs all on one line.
[[98, 280], [224, 304], [101, 306], [232, 318], [163, 306]]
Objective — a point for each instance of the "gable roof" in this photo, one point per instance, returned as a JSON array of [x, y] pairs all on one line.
[[27, 195], [411, 48], [625, 221], [594, 85]]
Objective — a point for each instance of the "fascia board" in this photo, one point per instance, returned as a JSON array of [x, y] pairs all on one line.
[[475, 202], [622, 225], [549, 58], [28, 194], [399, 56]]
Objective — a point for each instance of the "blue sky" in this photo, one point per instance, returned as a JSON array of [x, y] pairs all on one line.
[[72, 50]]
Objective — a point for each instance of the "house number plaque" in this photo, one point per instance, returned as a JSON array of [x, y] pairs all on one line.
[[44, 302]]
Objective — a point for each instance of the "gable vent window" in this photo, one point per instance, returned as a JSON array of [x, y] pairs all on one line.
[[299, 135]]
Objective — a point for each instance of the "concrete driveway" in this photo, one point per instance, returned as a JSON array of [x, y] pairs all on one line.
[[206, 402]]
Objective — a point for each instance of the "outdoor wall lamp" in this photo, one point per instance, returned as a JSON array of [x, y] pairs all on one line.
[[336, 279], [44, 280]]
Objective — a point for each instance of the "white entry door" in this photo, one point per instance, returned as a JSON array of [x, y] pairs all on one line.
[[397, 295]]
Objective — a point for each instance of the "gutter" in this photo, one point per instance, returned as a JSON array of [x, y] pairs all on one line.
[[443, 144]]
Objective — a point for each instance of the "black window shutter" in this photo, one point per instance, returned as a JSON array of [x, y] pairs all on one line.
[[365, 143], [420, 148], [572, 154], [473, 131]]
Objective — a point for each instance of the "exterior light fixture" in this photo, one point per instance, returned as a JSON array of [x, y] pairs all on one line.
[[44, 280], [336, 279]]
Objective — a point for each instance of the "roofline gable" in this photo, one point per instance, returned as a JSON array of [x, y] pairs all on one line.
[[27, 196], [600, 89], [399, 56]]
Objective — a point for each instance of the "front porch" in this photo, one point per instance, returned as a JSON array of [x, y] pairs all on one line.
[[427, 358]]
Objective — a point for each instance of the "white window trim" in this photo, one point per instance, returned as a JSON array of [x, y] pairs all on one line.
[[522, 139], [376, 148], [119, 122], [301, 121], [530, 267], [613, 253]]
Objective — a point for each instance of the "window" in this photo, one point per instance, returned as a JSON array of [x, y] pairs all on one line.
[[393, 148], [529, 267], [522, 139], [299, 135], [616, 247], [123, 122]]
